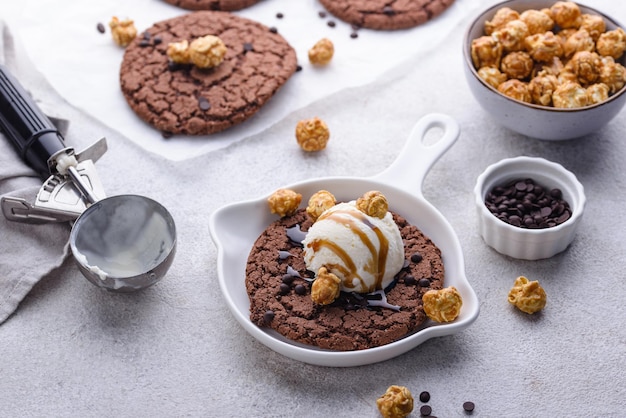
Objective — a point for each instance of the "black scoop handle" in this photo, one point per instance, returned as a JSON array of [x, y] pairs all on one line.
[[30, 131]]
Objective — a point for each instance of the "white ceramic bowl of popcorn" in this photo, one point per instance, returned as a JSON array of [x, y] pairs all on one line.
[[523, 242], [533, 120]]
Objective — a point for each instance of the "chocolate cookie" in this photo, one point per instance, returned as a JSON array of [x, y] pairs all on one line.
[[184, 99], [279, 289], [223, 5], [386, 14]]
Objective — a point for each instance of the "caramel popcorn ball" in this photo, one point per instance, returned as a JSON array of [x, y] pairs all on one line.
[[320, 202], [566, 14], [612, 43], [207, 52], [373, 203], [555, 56], [517, 65], [178, 52], [569, 96], [527, 296], [537, 21], [515, 89], [442, 305], [503, 16], [492, 76], [397, 402], [123, 31], [486, 52], [284, 202], [512, 35], [312, 134], [322, 52], [326, 287]]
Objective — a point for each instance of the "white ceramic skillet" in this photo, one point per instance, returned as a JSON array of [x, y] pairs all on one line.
[[235, 227]]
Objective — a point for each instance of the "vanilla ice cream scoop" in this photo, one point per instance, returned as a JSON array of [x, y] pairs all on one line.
[[363, 251]]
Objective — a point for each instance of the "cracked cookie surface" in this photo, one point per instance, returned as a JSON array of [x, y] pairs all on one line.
[[386, 14], [280, 294], [183, 99], [223, 5]]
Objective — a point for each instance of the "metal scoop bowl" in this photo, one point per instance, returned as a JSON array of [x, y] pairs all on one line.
[[121, 243]]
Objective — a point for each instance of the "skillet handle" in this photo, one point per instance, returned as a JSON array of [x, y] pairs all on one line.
[[417, 158]]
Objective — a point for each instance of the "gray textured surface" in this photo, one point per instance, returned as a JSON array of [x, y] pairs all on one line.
[[71, 349]]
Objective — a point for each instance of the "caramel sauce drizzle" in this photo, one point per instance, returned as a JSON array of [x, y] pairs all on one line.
[[378, 259]]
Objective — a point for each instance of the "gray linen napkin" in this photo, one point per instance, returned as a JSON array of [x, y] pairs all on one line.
[[27, 252]]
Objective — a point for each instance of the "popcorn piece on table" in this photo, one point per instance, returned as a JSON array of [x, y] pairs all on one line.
[[312, 134], [528, 296], [443, 305], [322, 52], [123, 31], [397, 402], [284, 202]]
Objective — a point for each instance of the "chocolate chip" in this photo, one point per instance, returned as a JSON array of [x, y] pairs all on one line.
[[144, 43], [388, 10], [526, 204], [409, 280], [268, 316], [468, 406], [203, 103], [300, 289], [247, 47], [321, 14], [157, 40], [273, 29], [416, 257], [424, 396], [100, 28], [288, 278], [424, 283], [284, 288], [166, 134], [331, 23], [425, 410], [299, 68], [354, 35], [279, 15]]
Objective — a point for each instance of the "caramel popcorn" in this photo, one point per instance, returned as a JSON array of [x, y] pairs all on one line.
[[373, 203], [566, 14], [207, 52], [515, 89], [442, 305], [284, 202], [580, 40], [325, 288], [570, 95], [542, 87], [320, 202], [527, 296], [517, 65], [612, 74], [544, 47], [536, 21], [512, 35], [123, 31], [322, 52], [594, 25], [486, 52], [555, 56], [503, 16], [312, 134], [492, 76], [612, 43], [397, 402], [597, 93], [178, 52]]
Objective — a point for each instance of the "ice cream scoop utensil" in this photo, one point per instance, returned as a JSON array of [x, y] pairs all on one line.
[[122, 243]]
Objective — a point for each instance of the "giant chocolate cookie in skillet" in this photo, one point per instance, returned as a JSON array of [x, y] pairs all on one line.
[[386, 14], [223, 5], [185, 99], [279, 289]]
